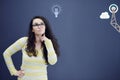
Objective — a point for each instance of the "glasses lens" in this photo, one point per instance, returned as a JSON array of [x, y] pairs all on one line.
[[36, 24]]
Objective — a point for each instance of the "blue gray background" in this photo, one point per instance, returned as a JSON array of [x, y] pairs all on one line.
[[90, 47]]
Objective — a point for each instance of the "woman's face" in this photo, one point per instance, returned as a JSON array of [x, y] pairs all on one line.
[[38, 26]]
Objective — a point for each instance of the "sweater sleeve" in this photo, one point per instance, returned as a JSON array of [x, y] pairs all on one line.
[[52, 57], [16, 46]]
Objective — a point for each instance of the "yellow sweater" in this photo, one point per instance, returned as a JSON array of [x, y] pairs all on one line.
[[35, 67]]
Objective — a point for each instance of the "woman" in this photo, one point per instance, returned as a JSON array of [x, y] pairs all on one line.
[[39, 49]]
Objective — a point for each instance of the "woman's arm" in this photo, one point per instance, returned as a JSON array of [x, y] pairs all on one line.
[[52, 57], [12, 50]]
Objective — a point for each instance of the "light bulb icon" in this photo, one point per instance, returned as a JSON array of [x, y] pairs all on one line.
[[56, 9]]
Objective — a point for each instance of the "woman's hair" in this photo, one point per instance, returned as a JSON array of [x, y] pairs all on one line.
[[31, 51]]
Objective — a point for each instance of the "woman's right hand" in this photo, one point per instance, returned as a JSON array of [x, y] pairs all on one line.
[[20, 73]]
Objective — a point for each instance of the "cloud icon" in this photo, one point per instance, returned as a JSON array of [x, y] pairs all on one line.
[[104, 15]]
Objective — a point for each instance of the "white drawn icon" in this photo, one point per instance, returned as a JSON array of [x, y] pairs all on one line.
[[104, 15], [113, 8], [56, 9]]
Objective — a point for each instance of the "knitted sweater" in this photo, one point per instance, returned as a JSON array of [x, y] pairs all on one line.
[[35, 68]]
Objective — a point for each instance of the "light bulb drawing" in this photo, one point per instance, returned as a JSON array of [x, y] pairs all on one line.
[[56, 9], [113, 8]]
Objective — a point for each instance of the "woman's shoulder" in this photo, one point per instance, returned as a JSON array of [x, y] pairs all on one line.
[[23, 38]]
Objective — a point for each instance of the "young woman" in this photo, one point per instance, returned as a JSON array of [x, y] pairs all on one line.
[[39, 49]]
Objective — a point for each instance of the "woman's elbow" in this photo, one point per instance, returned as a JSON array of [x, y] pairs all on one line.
[[52, 62], [4, 54]]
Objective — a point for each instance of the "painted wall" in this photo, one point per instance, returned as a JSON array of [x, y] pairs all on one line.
[[90, 47]]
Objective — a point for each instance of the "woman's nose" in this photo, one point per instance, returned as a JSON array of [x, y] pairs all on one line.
[[39, 26]]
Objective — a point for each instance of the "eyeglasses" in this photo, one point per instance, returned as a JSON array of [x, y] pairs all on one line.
[[36, 24]]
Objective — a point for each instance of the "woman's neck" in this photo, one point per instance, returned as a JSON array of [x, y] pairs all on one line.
[[37, 42], [37, 38]]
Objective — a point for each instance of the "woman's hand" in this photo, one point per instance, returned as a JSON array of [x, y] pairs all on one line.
[[20, 73], [43, 37]]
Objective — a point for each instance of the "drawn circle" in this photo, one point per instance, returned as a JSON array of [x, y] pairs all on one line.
[[113, 8], [56, 8]]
